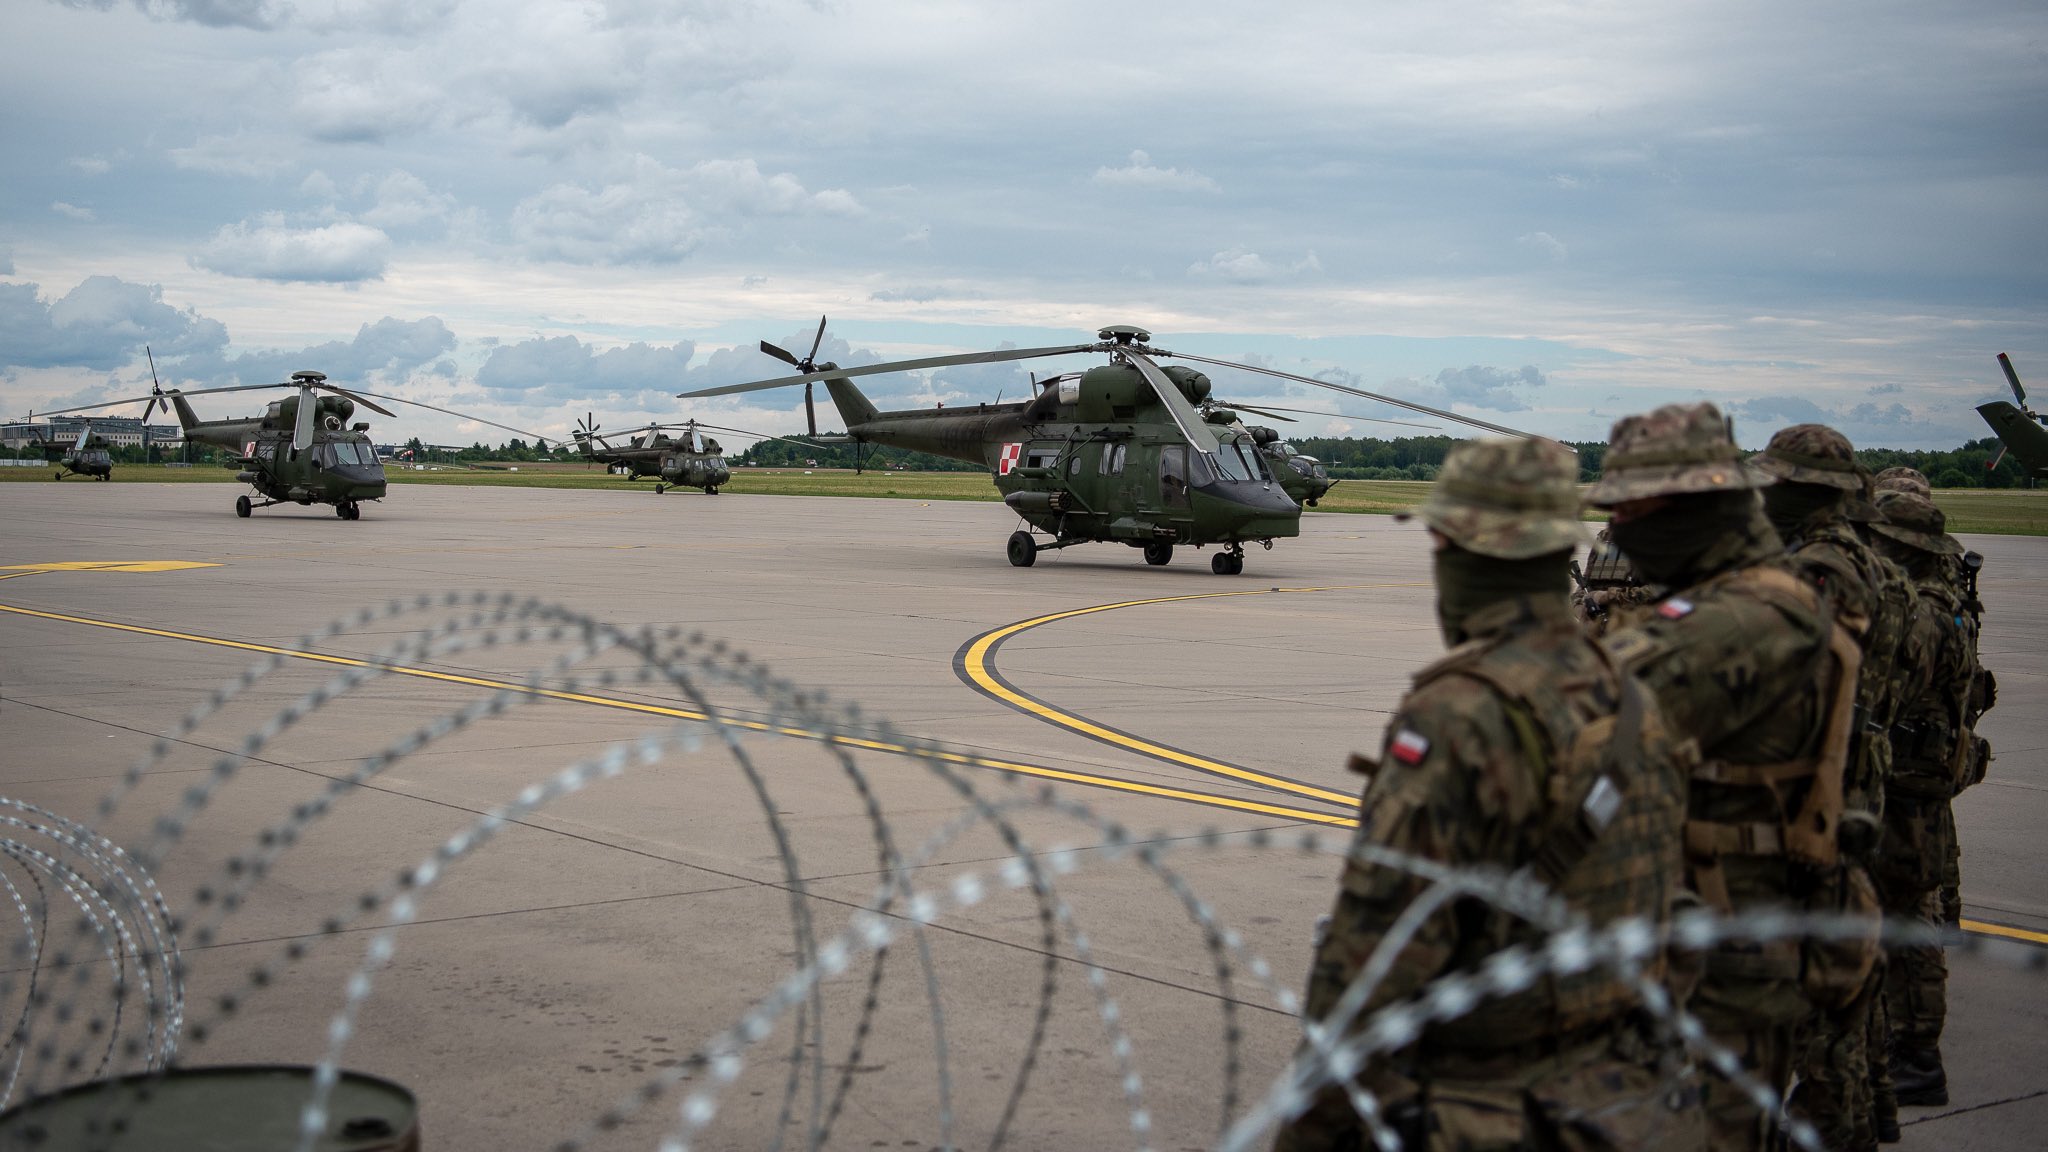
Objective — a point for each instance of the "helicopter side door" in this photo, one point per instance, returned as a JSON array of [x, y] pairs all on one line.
[[1173, 477]]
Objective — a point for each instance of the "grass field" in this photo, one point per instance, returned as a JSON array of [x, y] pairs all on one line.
[[2010, 512]]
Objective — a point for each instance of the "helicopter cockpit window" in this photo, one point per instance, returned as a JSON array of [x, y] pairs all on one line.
[[1229, 462], [1284, 448], [348, 452]]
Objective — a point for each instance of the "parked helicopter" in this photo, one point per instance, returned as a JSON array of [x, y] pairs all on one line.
[[692, 460], [302, 449], [1303, 477], [1121, 452], [2019, 430], [87, 456]]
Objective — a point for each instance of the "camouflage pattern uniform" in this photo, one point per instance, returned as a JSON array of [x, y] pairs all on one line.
[[1745, 660], [1517, 750], [1933, 753], [1841, 1079], [1607, 587]]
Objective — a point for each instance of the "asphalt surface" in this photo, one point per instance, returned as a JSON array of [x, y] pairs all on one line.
[[592, 944]]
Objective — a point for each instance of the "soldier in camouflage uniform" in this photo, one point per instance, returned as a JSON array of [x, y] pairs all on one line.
[[1524, 748], [1745, 658], [1819, 483], [1932, 757], [1607, 587]]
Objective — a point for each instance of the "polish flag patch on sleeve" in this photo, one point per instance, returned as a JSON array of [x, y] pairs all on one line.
[[1409, 747], [1675, 608]]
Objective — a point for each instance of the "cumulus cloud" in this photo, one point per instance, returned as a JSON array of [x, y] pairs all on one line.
[[1891, 389], [404, 200], [1493, 388], [98, 325], [920, 294], [353, 96], [92, 165], [236, 155], [564, 365], [1244, 266], [389, 349], [72, 211], [660, 215], [211, 13], [271, 249], [1140, 172], [1782, 410]]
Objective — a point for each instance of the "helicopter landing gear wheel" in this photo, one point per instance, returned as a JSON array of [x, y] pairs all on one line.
[[1023, 550], [1158, 552], [659, 488], [60, 474], [711, 491], [242, 507]]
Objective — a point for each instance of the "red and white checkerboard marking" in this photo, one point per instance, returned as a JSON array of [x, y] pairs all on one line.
[[1008, 458]]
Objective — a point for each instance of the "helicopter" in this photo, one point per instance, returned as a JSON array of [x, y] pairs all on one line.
[[692, 460], [2019, 429], [1303, 477], [87, 456], [301, 450], [1125, 452]]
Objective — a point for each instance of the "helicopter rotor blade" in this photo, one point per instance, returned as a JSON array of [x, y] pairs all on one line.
[[357, 397], [1336, 415], [448, 412], [145, 399], [1184, 414], [816, 341], [84, 434], [1996, 460], [769, 435], [696, 439], [781, 354], [1360, 392], [156, 388], [810, 409], [1270, 415], [2013, 378], [302, 419], [835, 373]]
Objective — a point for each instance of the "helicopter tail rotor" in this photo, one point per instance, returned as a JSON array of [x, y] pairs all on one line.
[[806, 366]]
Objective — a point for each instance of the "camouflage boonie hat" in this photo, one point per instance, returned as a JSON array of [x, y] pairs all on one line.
[[1675, 450], [1903, 479], [1915, 521], [1811, 454], [1511, 499]]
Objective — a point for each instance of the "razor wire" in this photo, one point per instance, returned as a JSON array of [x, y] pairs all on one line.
[[121, 908]]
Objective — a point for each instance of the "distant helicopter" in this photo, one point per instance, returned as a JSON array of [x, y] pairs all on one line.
[[692, 460], [2019, 430], [87, 456], [1301, 475], [302, 449], [1120, 452]]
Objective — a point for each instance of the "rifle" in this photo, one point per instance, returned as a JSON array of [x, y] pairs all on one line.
[[1972, 563]]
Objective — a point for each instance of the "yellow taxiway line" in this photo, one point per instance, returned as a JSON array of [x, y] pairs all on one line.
[[972, 664], [1981, 928], [1013, 767]]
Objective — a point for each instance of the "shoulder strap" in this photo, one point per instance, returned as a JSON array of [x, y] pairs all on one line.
[[1577, 825]]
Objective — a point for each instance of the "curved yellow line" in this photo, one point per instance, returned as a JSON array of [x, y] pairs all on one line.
[[1013, 767], [975, 663]]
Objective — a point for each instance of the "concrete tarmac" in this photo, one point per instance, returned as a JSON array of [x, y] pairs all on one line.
[[593, 944]]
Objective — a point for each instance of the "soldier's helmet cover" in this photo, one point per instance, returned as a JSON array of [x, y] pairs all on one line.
[[1903, 479], [1915, 521], [1509, 498], [1811, 454], [1676, 450]]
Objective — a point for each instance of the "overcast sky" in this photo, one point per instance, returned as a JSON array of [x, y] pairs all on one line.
[[1548, 215]]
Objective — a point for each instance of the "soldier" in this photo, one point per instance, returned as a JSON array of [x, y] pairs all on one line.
[[1524, 748], [1746, 660], [1933, 755], [1607, 587], [1844, 1088]]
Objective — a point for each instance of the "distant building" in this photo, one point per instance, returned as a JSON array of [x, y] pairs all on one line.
[[118, 431]]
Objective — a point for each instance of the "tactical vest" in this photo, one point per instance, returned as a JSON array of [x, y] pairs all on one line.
[[1808, 789], [1614, 803], [1930, 738]]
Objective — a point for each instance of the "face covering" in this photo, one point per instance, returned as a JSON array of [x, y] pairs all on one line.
[[1665, 545], [1790, 505], [1467, 582]]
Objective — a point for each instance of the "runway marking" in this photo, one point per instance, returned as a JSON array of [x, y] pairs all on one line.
[[105, 566], [972, 663], [2006, 931], [1012, 767]]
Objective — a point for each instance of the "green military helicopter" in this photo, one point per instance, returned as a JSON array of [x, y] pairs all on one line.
[[1303, 476], [1126, 452], [87, 456], [302, 449], [2019, 429], [691, 460]]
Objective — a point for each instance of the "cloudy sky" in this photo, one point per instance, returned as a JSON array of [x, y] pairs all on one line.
[[1547, 215]]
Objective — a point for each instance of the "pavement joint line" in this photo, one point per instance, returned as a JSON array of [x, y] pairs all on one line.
[[2021, 1099], [974, 664], [1010, 767]]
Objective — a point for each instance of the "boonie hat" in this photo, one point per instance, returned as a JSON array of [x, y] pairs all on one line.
[[1916, 522], [1811, 454], [1903, 479], [1512, 499], [1673, 451]]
